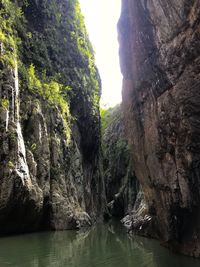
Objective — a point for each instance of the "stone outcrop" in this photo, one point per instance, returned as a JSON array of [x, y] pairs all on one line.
[[49, 119], [159, 51]]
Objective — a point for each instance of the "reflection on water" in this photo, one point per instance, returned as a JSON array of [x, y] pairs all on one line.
[[104, 245]]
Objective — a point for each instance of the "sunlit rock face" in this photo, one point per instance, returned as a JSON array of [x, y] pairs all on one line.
[[49, 119], [159, 52]]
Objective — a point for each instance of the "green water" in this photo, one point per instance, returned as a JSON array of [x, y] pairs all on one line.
[[102, 246]]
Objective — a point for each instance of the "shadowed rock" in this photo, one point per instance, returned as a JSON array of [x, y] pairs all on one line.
[[159, 51]]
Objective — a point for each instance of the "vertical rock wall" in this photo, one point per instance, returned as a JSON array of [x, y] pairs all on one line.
[[49, 118], [159, 51], [120, 182]]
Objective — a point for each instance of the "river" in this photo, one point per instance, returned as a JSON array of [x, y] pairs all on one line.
[[102, 246]]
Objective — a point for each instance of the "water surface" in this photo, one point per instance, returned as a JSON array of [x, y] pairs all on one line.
[[103, 246]]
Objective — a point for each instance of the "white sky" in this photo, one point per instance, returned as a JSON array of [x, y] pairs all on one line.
[[101, 18]]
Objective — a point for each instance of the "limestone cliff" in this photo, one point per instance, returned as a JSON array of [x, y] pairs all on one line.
[[49, 118], [159, 51], [120, 182]]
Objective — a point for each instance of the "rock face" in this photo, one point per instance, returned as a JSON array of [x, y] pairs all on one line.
[[159, 51], [120, 182], [49, 118]]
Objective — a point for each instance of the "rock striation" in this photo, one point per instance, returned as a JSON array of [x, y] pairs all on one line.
[[49, 118], [159, 52]]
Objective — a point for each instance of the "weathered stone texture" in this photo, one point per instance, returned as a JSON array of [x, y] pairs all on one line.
[[121, 185], [49, 172], [159, 51]]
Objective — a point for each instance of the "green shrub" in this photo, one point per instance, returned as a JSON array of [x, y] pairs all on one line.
[[52, 92], [10, 16], [10, 165], [4, 103], [33, 147]]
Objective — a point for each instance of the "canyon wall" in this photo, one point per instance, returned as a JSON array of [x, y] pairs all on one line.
[[121, 185], [160, 62], [49, 118]]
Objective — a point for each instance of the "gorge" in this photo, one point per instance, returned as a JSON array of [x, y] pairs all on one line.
[[65, 166]]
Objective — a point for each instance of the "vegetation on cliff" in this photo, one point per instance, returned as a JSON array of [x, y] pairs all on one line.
[[39, 35], [120, 182], [10, 18], [49, 117]]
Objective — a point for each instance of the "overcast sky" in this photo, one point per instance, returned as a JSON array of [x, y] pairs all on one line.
[[101, 18]]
